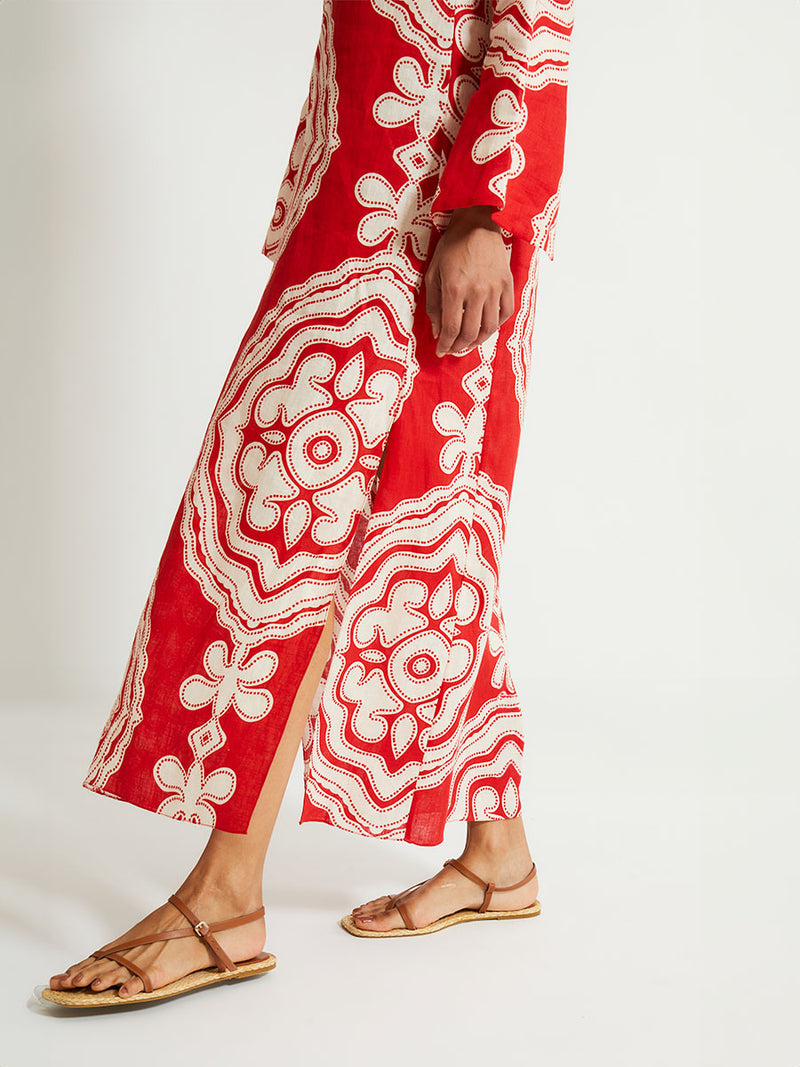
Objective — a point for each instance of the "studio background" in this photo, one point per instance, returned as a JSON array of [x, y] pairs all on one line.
[[651, 575]]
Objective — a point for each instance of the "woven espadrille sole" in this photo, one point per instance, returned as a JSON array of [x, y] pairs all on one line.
[[468, 915], [110, 998]]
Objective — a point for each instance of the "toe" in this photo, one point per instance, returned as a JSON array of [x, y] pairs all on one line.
[[131, 987], [363, 921], [83, 977], [378, 920], [371, 906], [113, 976], [378, 907], [75, 976], [67, 979]]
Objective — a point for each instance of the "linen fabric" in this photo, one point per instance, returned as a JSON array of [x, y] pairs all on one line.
[[345, 459]]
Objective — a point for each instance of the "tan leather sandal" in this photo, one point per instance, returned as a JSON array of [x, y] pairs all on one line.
[[225, 970], [465, 915]]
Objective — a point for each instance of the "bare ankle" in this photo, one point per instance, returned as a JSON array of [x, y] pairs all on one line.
[[496, 835], [499, 845], [240, 890]]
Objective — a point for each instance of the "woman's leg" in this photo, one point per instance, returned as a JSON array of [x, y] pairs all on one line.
[[225, 881], [496, 850]]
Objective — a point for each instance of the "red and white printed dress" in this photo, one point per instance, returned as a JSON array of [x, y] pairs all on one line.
[[415, 107]]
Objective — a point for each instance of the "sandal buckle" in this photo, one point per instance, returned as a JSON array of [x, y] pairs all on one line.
[[201, 928]]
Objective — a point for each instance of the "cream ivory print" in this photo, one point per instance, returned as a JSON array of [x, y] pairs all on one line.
[[414, 108]]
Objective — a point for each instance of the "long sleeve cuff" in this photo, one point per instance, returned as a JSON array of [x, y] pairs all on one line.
[[509, 149]]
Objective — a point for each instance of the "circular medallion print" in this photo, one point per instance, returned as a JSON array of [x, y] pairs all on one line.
[[417, 665], [321, 449]]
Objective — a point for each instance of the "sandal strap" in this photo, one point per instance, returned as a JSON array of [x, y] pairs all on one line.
[[221, 924], [115, 956], [489, 888], [395, 902], [394, 897], [199, 928], [204, 930], [531, 874], [459, 866], [408, 922]]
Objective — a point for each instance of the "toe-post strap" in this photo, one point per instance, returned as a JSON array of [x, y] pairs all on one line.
[[395, 901], [408, 922], [115, 956], [489, 888]]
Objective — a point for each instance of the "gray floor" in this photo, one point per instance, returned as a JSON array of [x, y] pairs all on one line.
[[663, 819]]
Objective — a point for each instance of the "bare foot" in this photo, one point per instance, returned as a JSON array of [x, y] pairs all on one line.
[[495, 851], [166, 961]]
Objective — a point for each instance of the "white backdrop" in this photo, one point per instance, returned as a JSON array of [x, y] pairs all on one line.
[[651, 577]]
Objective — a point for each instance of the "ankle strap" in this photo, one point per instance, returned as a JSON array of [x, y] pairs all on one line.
[[489, 888], [205, 930]]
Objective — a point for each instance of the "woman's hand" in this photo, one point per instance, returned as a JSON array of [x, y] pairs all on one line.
[[469, 285]]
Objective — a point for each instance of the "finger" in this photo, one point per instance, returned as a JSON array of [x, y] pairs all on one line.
[[507, 301], [452, 313], [490, 322], [433, 300], [470, 326]]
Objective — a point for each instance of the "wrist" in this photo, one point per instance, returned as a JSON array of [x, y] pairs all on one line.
[[477, 210], [474, 215]]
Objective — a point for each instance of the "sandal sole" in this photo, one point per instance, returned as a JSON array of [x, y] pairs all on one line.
[[109, 998], [468, 915]]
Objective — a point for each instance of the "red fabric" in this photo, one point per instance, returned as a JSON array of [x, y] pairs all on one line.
[[509, 150], [416, 720]]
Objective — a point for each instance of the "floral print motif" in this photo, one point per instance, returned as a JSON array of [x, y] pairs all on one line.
[[344, 460], [229, 683], [465, 436], [191, 793]]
